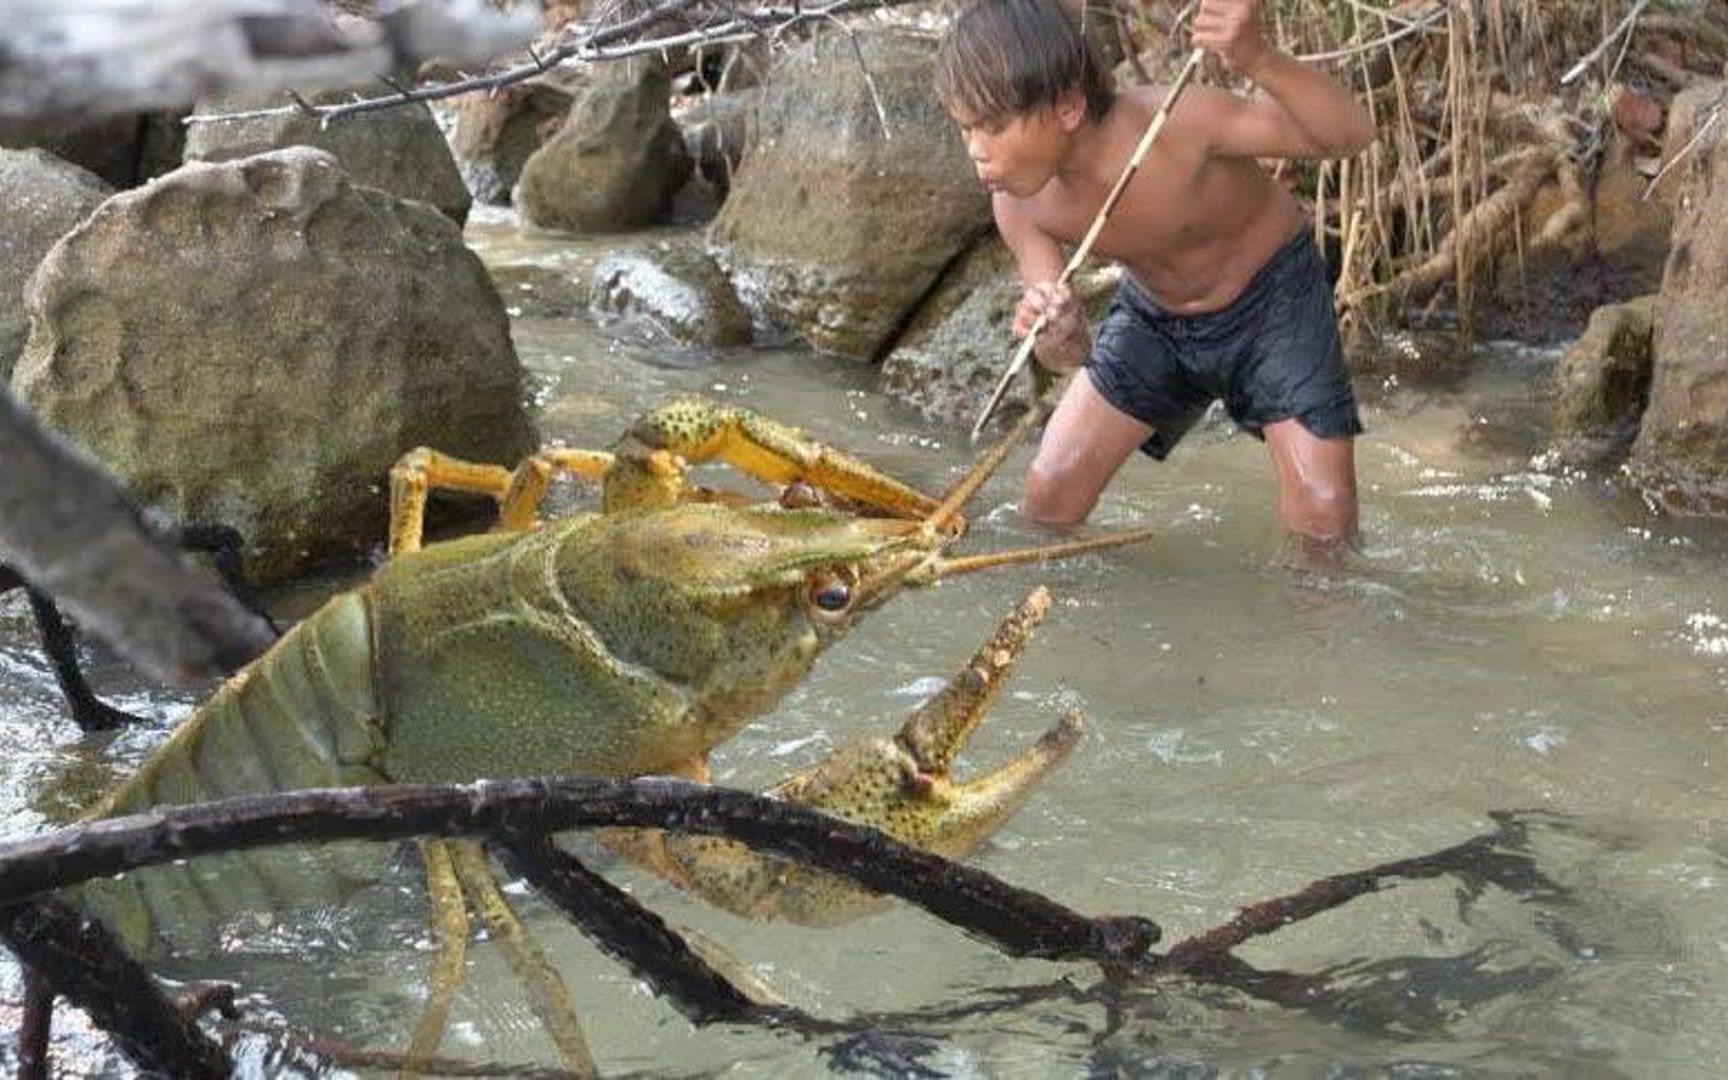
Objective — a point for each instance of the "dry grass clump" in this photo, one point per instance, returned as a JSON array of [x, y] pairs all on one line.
[[1482, 105]]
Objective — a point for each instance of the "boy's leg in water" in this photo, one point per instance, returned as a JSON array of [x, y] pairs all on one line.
[[1085, 442], [1316, 487]]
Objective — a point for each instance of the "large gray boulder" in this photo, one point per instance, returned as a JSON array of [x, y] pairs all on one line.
[[616, 162], [1681, 456], [956, 347], [1601, 385], [44, 197], [256, 342], [833, 228], [399, 150]]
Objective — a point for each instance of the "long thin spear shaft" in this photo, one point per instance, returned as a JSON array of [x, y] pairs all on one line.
[[1156, 125]]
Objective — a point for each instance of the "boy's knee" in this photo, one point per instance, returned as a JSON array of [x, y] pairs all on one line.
[[1052, 496], [1325, 509]]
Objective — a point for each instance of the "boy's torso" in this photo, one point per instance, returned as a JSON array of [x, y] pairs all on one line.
[[1192, 230]]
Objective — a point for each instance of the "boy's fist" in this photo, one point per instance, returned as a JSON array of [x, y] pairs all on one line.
[[1063, 342], [1230, 28]]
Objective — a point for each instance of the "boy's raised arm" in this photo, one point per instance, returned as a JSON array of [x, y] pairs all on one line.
[[1305, 113]]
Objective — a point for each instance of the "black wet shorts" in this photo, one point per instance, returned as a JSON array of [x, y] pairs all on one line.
[[1270, 354]]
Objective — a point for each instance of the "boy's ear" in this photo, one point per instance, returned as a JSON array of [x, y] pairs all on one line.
[[1071, 110]]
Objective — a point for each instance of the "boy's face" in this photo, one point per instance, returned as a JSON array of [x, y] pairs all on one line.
[[1018, 154]]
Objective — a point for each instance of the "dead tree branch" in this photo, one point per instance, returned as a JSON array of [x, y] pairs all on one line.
[[1016, 921], [35, 1027], [79, 959], [1196, 955], [699, 23]]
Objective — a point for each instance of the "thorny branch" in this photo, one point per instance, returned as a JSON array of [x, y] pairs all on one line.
[[698, 22]]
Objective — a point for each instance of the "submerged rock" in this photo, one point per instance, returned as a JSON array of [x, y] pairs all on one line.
[[617, 160], [540, 292], [1681, 455], [675, 286], [256, 342], [957, 346], [399, 149], [835, 228], [1602, 383], [44, 198]]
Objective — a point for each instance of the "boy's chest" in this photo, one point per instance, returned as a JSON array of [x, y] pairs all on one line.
[[1164, 208]]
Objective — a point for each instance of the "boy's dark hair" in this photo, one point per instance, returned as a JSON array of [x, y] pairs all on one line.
[[1004, 57]]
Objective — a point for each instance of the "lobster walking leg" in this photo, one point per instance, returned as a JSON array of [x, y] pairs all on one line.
[[545, 988], [449, 918], [648, 470]]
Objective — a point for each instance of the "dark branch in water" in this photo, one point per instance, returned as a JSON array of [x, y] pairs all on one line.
[[35, 1026], [1206, 951], [82, 961], [699, 23], [1016, 921], [59, 644], [88, 711], [625, 930], [122, 582]]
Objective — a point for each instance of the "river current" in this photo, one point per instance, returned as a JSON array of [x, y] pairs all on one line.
[[1511, 639]]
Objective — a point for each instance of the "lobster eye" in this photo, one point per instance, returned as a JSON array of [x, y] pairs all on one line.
[[833, 596], [829, 593]]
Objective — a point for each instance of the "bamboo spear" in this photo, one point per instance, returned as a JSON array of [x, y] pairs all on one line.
[[1156, 125]]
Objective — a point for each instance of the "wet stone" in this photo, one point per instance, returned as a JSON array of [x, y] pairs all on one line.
[[676, 287]]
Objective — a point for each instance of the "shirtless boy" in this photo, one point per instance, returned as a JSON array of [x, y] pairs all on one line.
[[1223, 295]]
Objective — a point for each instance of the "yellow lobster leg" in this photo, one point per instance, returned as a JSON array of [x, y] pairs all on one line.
[[547, 994], [648, 468], [449, 919], [516, 491]]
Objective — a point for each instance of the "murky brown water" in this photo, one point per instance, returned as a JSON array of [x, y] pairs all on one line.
[[1509, 639]]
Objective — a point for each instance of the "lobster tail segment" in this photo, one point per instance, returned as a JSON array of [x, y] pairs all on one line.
[[305, 714]]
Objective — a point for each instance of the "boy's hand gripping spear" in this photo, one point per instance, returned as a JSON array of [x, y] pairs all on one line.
[[1156, 125]]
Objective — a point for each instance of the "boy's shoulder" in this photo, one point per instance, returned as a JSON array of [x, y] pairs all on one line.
[[1134, 106]]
